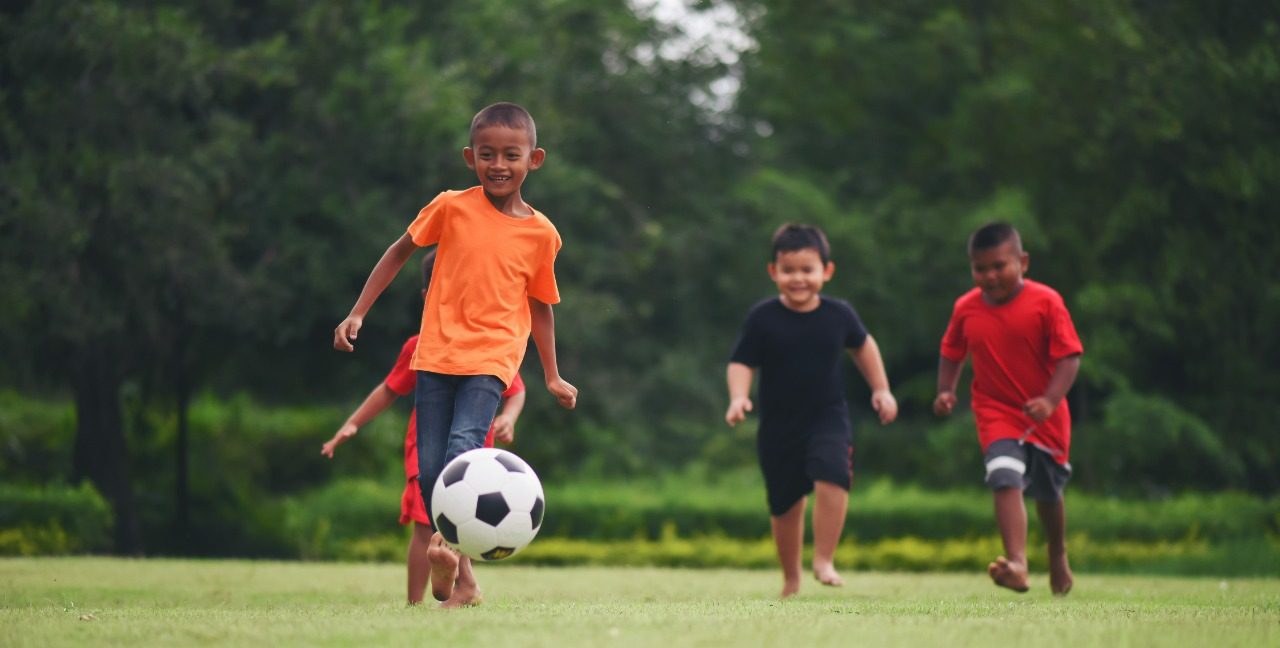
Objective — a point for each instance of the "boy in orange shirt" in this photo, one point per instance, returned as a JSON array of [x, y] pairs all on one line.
[[400, 382], [493, 285]]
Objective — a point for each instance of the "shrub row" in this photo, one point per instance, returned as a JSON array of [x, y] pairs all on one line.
[[1191, 557], [349, 509], [734, 507], [54, 519]]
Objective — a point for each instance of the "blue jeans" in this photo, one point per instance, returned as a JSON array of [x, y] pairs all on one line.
[[454, 414]]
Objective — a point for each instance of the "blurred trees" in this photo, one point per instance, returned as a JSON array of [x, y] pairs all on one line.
[[1133, 143], [193, 194]]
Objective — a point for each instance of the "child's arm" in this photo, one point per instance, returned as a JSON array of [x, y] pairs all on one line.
[[1064, 375], [504, 425], [739, 377], [544, 336], [385, 270], [374, 404], [871, 366], [948, 377]]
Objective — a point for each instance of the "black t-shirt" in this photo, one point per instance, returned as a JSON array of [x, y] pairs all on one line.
[[798, 356]]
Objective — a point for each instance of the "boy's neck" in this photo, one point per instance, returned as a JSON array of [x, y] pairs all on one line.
[[512, 205], [807, 307]]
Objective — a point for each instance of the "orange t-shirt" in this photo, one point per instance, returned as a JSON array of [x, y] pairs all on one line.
[[476, 319]]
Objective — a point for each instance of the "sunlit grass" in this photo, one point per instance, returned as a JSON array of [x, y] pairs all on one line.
[[100, 601]]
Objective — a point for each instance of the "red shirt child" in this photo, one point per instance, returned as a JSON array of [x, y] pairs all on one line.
[[402, 380], [1014, 347]]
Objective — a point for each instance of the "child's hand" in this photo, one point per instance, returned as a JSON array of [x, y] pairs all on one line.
[[738, 409], [564, 392], [504, 429], [883, 402], [1039, 408], [344, 434], [944, 403], [345, 334]]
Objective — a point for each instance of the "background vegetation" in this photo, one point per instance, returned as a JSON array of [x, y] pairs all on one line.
[[192, 194]]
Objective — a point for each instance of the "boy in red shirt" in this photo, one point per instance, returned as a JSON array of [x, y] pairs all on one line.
[[400, 382], [493, 286], [1025, 354]]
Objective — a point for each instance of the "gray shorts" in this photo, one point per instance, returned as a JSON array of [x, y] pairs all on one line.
[[1012, 464]]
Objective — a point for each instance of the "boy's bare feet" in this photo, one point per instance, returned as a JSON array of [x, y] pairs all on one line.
[[1007, 573], [464, 595], [790, 587], [444, 568], [827, 575], [1060, 577]]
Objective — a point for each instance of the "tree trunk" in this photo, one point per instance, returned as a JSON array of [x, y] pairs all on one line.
[[101, 452]]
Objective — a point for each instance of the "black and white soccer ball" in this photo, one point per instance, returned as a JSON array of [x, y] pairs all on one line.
[[487, 504]]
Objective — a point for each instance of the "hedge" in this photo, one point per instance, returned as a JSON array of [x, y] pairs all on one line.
[[55, 519]]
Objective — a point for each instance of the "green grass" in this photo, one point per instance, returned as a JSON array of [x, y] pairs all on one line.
[[104, 602]]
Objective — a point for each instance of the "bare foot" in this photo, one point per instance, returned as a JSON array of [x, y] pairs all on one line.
[[463, 596], [827, 575], [444, 568], [1060, 577], [790, 588], [1007, 573]]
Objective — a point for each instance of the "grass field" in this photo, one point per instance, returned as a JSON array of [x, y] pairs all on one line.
[[114, 602]]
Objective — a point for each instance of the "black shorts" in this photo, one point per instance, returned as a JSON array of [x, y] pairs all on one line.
[[792, 458], [1012, 464]]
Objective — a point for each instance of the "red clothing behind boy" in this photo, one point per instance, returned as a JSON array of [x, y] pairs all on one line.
[[402, 380], [1015, 347]]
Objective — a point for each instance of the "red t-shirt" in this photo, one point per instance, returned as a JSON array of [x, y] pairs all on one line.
[[1015, 347], [402, 380]]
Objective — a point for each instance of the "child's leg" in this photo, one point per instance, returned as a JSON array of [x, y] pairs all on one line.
[[474, 406], [471, 404], [1010, 570], [444, 567], [788, 536], [1053, 518], [831, 504], [466, 591], [1006, 463], [419, 565]]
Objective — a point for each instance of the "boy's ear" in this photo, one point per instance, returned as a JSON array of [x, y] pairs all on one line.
[[536, 158], [470, 156], [829, 270], [773, 271]]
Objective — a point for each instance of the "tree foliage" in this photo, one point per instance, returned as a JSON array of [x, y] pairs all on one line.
[[193, 195]]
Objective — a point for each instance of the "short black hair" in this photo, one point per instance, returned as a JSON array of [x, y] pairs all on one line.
[[791, 237], [428, 265], [993, 235], [505, 113]]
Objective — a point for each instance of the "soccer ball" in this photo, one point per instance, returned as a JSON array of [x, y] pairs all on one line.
[[487, 504]]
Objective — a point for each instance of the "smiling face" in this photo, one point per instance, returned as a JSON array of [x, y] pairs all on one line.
[[800, 275], [998, 271], [502, 157]]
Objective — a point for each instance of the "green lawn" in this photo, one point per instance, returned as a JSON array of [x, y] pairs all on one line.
[[104, 602]]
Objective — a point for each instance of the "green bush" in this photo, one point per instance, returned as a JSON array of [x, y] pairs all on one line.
[[912, 554], [54, 519], [733, 506], [35, 437], [335, 520]]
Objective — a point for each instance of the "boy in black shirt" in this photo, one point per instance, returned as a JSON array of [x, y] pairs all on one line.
[[805, 440]]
